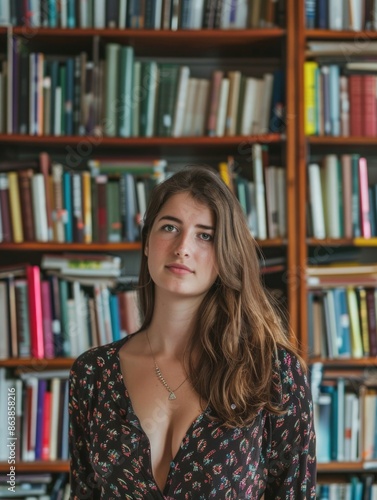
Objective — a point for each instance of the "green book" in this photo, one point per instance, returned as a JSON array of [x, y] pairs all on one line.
[[168, 82], [113, 211], [149, 88], [111, 89], [136, 99], [125, 94]]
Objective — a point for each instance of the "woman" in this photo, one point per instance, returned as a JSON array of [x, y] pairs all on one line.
[[207, 399]]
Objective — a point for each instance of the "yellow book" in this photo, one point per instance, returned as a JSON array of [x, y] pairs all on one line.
[[356, 342], [87, 207], [310, 94], [363, 311], [15, 207]]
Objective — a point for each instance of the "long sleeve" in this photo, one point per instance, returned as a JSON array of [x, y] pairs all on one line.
[[291, 453], [81, 473]]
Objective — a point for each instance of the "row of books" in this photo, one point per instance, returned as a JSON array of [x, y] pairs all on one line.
[[340, 100], [354, 15], [72, 305], [356, 489], [51, 202], [41, 418], [342, 199], [37, 486], [345, 421], [342, 322], [128, 97], [149, 14]]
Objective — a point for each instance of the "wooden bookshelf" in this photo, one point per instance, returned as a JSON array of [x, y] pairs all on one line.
[[276, 44]]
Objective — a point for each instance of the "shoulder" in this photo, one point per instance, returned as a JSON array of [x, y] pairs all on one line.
[[290, 377], [96, 359]]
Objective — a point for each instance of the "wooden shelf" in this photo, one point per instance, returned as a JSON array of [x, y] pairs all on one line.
[[345, 362], [39, 364], [345, 467], [321, 140], [336, 242], [66, 247], [319, 34], [39, 466]]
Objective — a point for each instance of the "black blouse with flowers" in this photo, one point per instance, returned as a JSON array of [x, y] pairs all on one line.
[[110, 452]]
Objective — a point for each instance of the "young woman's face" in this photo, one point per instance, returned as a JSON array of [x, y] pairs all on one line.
[[180, 247]]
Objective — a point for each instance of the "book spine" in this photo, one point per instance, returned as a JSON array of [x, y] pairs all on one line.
[[364, 199], [35, 312]]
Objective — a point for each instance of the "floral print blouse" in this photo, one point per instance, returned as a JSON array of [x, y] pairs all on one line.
[[110, 452]]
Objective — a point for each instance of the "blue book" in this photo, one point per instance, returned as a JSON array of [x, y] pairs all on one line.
[[277, 122], [114, 315], [52, 14], [372, 209], [332, 422], [322, 14], [42, 386], [334, 99], [67, 202], [342, 322], [356, 226], [323, 426], [310, 7], [71, 15]]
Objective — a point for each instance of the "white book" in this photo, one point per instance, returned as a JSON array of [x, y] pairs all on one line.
[[282, 202], [31, 419], [152, 99], [222, 109], [81, 317], [249, 105], [331, 193], [39, 207], [356, 15], [252, 219], [196, 15], [56, 413], [99, 315], [71, 338], [106, 314], [200, 110], [316, 201], [158, 14], [335, 15], [259, 190], [84, 13], [368, 425], [180, 103], [141, 197], [35, 13], [99, 13], [5, 12], [348, 414], [192, 88], [241, 15], [63, 13], [264, 123]]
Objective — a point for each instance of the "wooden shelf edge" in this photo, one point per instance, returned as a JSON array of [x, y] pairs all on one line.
[[38, 466], [345, 362], [144, 142], [221, 34], [345, 467], [64, 247], [321, 34], [37, 364], [357, 242], [319, 140]]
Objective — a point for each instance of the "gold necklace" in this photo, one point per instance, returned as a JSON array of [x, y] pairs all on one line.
[[161, 377]]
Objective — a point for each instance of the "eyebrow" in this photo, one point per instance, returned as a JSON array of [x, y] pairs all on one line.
[[175, 219]]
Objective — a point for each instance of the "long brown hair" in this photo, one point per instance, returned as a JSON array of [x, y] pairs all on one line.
[[237, 329]]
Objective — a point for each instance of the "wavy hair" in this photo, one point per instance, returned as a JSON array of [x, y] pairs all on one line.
[[237, 329]]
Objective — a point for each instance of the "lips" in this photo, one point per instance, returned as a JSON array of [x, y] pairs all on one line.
[[179, 268]]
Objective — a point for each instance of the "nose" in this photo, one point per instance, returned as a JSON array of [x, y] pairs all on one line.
[[182, 248]]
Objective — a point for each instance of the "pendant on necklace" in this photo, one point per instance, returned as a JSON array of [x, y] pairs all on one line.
[[172, 396]]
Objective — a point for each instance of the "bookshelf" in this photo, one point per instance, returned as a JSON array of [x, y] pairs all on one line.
[[268, 46], [355, 372]]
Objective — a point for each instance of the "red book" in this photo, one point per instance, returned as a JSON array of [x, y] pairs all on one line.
[[35, 312], [46, 426], [355, 97], [369, 112], [366, 230]]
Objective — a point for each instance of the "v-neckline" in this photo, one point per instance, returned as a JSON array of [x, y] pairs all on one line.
[[187, 433]]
